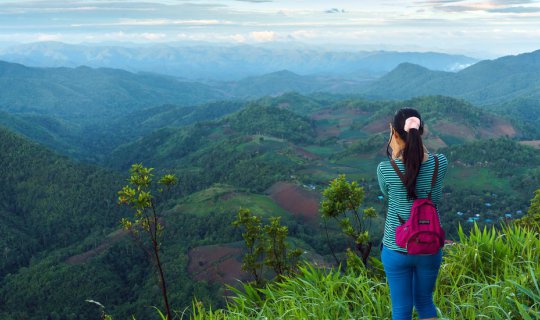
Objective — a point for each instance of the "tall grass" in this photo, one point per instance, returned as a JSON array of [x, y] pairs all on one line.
[[489, 274]]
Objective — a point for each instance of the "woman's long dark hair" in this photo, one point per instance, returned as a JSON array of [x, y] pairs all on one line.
[[413, 153]]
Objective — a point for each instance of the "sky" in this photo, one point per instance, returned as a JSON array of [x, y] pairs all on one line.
[[478, 28]]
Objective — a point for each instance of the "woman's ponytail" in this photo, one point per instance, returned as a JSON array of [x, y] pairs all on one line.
[[409, 126], [413, 154]]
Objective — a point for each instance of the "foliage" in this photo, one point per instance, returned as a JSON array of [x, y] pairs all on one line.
[[504, 155], [273, 121], [46, 201], [54, 209], [266, 246], [488, 274], [341, 200], [532, 219], [138, 195], [92, 93]]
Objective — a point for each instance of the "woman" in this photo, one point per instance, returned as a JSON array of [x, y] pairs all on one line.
[[411, 277]]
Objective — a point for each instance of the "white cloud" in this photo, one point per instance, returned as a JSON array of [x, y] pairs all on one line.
[[49, 37], [129, 36], [263, 36], [153, 36], [238, 38], [155, 22], [305, 34], [430, 24]]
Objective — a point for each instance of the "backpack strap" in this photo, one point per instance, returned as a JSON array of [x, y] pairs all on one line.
[[402, 178], [434, 177], [399, 173]]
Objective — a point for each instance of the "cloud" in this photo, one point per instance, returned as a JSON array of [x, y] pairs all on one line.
[[133, 36], [238, 38], [153, 36], [459, 8], [516, 10], [436, 2], [491, 6], [305, 34], [49, 37], [510, 2], [335, 10], [155, 22], [263, 36], [255, 1]]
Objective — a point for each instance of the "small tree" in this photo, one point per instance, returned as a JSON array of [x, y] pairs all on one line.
[[532, 218], [251, 262], [145, 225], [266, 246], [342, 201]]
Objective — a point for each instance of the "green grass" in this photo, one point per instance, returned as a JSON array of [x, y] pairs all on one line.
[[351, 133], [225, 198], [488, 274], [477, 178], [324, 151]]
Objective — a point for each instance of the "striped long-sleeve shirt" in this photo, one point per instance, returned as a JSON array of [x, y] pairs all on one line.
[[396, 193]]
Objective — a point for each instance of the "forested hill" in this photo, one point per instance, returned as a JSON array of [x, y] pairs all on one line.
[[272, 155], [243, 149], [272, 138], [48, 201], [84, 92], [486, 82]]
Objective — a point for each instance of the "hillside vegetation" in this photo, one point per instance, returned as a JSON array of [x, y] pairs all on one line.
[[488, 274], [48, 201], [271, 155]]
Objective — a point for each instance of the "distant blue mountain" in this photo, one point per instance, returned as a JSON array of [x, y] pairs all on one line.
[[213, 62]]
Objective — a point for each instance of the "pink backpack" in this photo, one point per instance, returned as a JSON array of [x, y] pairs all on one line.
[[422, 233]]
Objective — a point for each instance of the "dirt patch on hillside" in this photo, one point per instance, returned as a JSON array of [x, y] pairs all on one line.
[[328, 132], [355, 112], [322, 115], [346, 122], [435, 143], [217, 264], [306, 154], [532, 143], [453, 129], [503, 128], [296, 200], [104, 245], [378, 126]]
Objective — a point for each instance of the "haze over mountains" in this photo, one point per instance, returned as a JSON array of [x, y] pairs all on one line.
[[233, 62]]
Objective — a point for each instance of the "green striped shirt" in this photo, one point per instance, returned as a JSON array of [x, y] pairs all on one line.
[[396, 193]]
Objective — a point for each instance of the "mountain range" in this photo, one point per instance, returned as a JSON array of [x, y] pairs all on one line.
[[225, 63], [233, 144], [487, 82]]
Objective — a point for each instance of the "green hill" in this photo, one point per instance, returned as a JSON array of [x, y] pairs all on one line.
[[83, 93], [48, 201], [484, 83], [293, 143], [246, 149]]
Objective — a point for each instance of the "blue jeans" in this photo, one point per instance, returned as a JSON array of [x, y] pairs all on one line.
[[411, 279]]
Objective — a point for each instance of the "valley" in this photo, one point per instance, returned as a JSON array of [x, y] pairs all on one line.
[[273, 152]]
